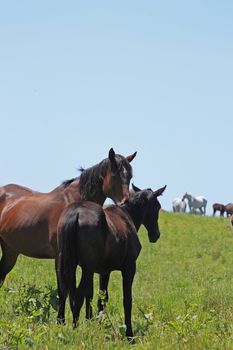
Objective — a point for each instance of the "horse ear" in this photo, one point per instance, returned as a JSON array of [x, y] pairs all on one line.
[[111, 156], [131, 157], [160, 191], [136, 189]]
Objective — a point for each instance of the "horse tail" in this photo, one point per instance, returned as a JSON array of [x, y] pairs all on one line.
[[68, 228]]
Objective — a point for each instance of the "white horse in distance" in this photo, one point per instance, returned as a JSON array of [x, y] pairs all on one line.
[[198, 202], [179, 205]]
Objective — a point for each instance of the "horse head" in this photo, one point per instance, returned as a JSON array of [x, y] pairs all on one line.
[[117, 178], [186, 196], [149, 207]]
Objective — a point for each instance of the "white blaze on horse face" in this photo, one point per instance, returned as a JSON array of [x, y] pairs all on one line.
[[125, 174]]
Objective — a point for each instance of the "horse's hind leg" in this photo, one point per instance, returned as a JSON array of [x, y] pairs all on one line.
[[72, 297], [77, 296], [62, 293], [89, 296], [7, 262], [103, 288], [203, 210]]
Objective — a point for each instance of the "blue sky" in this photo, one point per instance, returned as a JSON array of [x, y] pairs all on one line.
[[78, 78]]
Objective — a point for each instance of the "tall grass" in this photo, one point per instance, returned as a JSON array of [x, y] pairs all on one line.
[[182, 296]]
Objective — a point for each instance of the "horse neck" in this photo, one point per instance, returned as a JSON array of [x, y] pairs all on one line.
[[91, 183], [135, 214], [67, 191], [72, 191], [190, 198], [98, 198]]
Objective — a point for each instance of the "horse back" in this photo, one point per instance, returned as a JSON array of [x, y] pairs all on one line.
[[14, 189]]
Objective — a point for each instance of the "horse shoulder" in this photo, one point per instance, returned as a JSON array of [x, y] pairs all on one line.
[[122, 239], [134, 246]]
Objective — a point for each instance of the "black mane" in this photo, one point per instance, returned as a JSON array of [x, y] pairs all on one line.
[[66, 183], [81, 169], [91, 179]]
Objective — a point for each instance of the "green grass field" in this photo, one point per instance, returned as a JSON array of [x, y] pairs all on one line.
[[182, 296]]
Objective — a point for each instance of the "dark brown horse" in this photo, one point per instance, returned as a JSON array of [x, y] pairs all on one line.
[[229, 209], [219, 207], [28, 219], [102, 240]]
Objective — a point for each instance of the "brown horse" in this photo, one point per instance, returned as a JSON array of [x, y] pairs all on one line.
[[229, 209], [218, 207], [28, 219], [102, 240]]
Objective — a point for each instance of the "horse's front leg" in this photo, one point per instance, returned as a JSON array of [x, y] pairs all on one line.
[[103, 289], [128, 275]]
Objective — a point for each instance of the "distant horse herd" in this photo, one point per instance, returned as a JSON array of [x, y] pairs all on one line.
[[194, 203], [70, 225], [179, 205]]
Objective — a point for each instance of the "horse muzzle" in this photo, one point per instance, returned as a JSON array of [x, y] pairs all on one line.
[[155, 237]]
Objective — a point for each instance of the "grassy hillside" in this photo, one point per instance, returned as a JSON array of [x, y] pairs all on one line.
[[183, 293]]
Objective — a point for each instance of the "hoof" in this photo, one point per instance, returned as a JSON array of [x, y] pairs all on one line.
[[61, 321], [131, 340]]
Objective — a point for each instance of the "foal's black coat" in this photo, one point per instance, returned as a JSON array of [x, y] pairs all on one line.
[[102, 240]]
